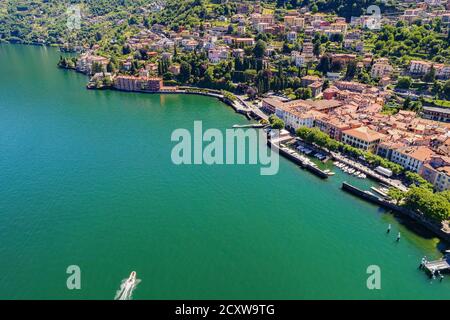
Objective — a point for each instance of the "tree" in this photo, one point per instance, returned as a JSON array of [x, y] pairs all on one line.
[[446, 90], [276, 122], [259, 49], [404, 83], [316, 49], [98, 36], [303, 93], [110, 67], [396, 195], [324, 64], [407, 103], [230, 29], [126, 49], [430, 76], [432, 205], [96, 67], [185, 71], [415, 179], [351, 70]]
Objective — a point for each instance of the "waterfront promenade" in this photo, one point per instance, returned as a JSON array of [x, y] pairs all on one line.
[[369, 172]]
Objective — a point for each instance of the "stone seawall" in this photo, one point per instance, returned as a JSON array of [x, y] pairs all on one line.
[[427, 223]]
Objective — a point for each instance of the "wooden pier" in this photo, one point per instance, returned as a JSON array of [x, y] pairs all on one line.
[[438, 265]]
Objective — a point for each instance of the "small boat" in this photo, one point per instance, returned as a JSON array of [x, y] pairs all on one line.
[[351, 170], [362, 176], [132, 277], [384, 194], [329, 172]]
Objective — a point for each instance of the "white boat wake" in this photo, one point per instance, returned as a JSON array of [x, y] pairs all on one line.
[[127, 287]]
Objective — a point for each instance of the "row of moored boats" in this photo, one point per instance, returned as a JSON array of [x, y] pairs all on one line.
[[350, 170], [303, 159]]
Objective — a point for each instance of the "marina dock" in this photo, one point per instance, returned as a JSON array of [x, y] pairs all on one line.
[[442, 266], [438, 267], [300, 160], [252, 125], [370, 173]]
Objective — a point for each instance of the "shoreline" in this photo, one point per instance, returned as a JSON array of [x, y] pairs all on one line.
[[433, 227], [242, 108]]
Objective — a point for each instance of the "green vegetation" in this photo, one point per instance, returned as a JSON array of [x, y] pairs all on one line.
[[396, 195], [421, 198], [403, 43], [228, 95], [45, 21], [276, 122], [67, 63], [404, 83], [344, 8], [433, 205], [415, 179], [437, 103]]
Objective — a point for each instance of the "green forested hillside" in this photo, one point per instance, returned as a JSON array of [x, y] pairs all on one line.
[[44, 21]]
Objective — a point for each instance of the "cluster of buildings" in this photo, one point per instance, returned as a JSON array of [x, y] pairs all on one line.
[[349, 112], [87, 61], [420, 68], [427, 11], [419, 145], [132, 83]]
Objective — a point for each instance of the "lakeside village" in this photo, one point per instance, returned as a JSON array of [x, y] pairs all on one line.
[[314, 75]]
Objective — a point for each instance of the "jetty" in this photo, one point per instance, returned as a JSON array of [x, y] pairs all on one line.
[[442, 265], [302, 161], [437, 267], [252, 125]]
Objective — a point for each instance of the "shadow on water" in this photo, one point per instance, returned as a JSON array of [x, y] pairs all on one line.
[[416, 228]]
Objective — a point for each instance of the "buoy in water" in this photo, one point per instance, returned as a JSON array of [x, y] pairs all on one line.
[[422, 263]]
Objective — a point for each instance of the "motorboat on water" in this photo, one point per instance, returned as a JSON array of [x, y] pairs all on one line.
[[127, 287], [132, 277]]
